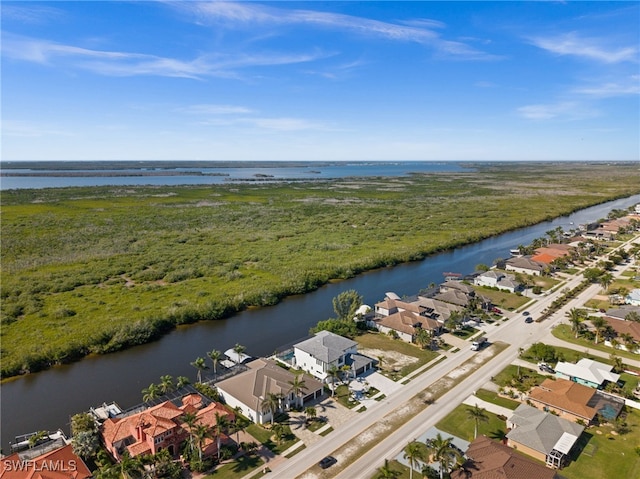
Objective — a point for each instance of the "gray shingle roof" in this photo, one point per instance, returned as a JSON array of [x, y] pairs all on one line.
[[326, 346]]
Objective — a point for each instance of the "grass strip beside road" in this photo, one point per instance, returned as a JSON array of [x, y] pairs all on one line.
[[401, 415]]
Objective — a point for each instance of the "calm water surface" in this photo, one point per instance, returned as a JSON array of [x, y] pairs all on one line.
[[46, 400]]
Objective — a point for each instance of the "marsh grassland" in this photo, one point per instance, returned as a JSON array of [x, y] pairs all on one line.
[[98, 269]]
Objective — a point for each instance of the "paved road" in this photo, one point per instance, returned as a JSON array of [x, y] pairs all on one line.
[[514, 331]]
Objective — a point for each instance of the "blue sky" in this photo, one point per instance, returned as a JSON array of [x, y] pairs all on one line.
[[432, 81]]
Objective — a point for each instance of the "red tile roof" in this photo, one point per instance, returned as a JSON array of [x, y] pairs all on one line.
[[61, 463]]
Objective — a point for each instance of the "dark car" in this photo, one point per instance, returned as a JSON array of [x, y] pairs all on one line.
[[528, 319], [546, 368], [526, 313], [327, 462]]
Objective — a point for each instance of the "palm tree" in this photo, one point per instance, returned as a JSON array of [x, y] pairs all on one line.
[[385, 472], [128, 466], [605, 280], [334, 374], [215, 356], [575, 319], [189, 419], [182, 381], [221, 427], [200, 365], [310, 412], [85, 444], [413, 452], [279, 432], [271, 404], [478, 415], [618, 365], [166, 384], [599, 323], [239, 349], [629, 342], [150, 393], [422, 337], [201, 433], [298, 386], [442, 451]]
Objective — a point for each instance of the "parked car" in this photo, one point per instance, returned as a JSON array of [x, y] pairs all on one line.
[[496, 310], [544, 367], [528, 319], [526, 313], [327, 462]]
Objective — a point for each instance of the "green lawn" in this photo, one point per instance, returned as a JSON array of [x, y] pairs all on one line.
[[563, 331], [371, 340], [607, 456], [238, 468], [492, 397], [461, 425], [264, 436], [502, 299], [529, 377]]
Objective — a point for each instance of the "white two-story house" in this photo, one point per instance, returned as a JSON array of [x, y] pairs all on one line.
[[325, 350]]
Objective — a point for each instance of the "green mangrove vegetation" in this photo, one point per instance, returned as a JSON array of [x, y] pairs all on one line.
[[98, 269]]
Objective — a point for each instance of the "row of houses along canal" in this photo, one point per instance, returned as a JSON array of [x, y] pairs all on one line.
[[46, 400]]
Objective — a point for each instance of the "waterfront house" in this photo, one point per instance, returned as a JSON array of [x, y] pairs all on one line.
[[498, 279], [326, 350], [487, 459], [161, 427], [59, 462], [406, 324], [542, 436], [525, 265], [573, 401], [587, 372], [249, 389], [623, 327]]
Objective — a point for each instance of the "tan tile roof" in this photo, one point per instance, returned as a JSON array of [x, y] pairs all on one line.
[[402, 321], [565, 395], [492, 460], [621, 327]]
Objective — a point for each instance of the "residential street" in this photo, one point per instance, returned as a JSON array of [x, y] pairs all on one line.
[[515, 332]]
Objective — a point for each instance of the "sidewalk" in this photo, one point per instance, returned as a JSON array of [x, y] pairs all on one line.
[[494, 408]]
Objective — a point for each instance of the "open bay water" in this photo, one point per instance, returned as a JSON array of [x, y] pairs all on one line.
[[47, 400], [210, 176]]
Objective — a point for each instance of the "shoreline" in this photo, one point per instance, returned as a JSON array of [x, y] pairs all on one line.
[[166, 327]]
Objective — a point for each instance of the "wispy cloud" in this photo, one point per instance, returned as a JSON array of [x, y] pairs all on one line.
[[565, 110], [585, 47], [623, 87], [419, 31], [31, 14], [114, 63]]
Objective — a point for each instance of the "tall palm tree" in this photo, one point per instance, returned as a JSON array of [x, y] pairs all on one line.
[[215, 356], [221, 427], [413, 452], [150, 393], [599, 324], [279, 432], [239, 349], [310, 412], [298, 386], [201, 433], [189, 419], [478, 415], [271, 404], [333, 374], [605, 280], [575, 319], [442, 451], [200, 365], [422, 338], [166, 384], [128, 466]]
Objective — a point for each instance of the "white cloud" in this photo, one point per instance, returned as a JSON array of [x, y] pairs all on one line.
[[113, 63], [249, 14], [567, 110], [30, 14], [591, 48], [27, 129], [624, 87]]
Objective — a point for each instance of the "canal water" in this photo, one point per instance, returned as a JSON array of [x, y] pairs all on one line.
[[48, 399]]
